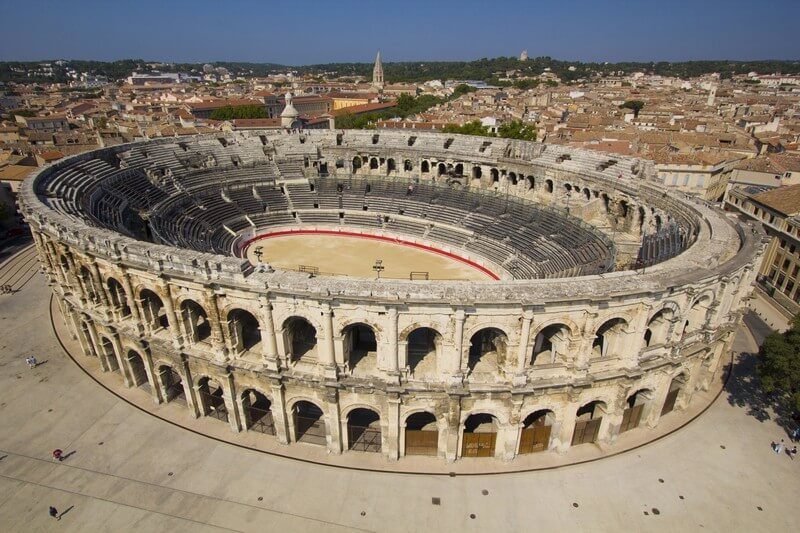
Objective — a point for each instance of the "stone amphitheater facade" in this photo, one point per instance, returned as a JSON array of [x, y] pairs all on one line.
[[142, 245]]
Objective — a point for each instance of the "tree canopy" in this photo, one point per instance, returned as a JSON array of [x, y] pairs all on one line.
[[779, 366], [470, 128], [635, 105], [241, 111], [517, 130]]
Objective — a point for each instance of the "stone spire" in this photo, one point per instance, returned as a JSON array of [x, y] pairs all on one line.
[[377, 72], [289, 114]]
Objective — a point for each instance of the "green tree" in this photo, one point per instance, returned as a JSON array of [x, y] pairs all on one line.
[[635, 105], [463, 89], [241, 111], [779, 366], [517, 130], [470, 128]]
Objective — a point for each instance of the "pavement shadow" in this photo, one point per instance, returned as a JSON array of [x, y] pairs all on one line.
[[744, 390], [65, 511]]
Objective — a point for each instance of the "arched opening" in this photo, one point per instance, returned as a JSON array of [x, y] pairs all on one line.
[[425, 167], [608, 338], [244, 331], [171, 384], [587, 423], [531, 182], [567, 188], [212, 401], [364, 430], [512, 177], [64, 262], [373, 163], [153, 312], [441, 169], [308, 423], [696, 319], [390, 165], [536, 429], [138, 372], [195, 321], [477, 172], [606, 201], [257, 414], [657, 330], [634, 409], [360, 348], [117, 296], [487, 350], [550, 344], [587, 194], [87, 337], [300, 339], [459, 169], [107, 349], [675, 387], [408, 165], [480, 436], [88, 284], [548, 186], [421, 350], [495, 174], [356, 163], [422, 434]]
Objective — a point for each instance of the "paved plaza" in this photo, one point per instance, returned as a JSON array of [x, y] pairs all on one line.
[[128, 470]]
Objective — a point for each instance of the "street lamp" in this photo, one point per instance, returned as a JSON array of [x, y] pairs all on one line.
[[378, 267]]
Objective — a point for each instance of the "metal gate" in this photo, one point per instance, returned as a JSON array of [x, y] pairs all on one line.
[[478, 444], [631, 418], [534, 439], [669, 402], [308, 425], [173, 385], [363, 439], [586, 431], [214, 404], [260, 420], [420, 442]]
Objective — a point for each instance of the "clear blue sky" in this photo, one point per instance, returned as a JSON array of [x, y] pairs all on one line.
[[311, 31]]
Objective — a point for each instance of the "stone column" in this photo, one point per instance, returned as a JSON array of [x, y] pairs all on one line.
[[391, 443], [279, 414], [99, 286], [229, 394], [123, 367], [188, 388], [333, 421], [269, 342], [524, 338], [456, 365], [218, 336], [453, 427], [563, 440], [147, 358], [166, 298], [391, 342], [130, 297], [328, 352]]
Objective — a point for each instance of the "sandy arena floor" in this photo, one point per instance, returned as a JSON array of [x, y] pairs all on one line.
[[355, 256]]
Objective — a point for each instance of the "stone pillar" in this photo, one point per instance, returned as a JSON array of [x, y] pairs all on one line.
[[94, 271], [391, 443], [166, 298], [563, 440], [269, 342], [130, 297], [524, 337], [229, 394], [391, 342], [333, 421], [453, 427], [123, 367], [456, 365], [279, 414], [74, 282], [155, 390], [328, 351], [218, 336], [188, 388]]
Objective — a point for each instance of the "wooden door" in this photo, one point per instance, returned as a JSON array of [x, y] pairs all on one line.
[[631, 418], [420, 442], [669, 402], [586, 431], [534, 439], [478, 444]]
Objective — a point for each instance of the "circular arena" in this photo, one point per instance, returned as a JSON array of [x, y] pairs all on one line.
[[402, 293]]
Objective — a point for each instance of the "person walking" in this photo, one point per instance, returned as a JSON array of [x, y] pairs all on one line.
[[33, 362], [54, 513], [791, 453], [58, 455], [29, 361], [779, 447]]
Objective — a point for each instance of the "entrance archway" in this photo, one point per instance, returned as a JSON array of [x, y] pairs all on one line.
[[212, 401], [195, 321], [138, 372], [608, 338], [675, 387], [535, 436], [257, 413], [360, 348], [244, 331], [171, 384], [422, 434], [308, 423], [364, 430], [153, 311], [300, 339], [421, 351], [634, 409], [551, 343], [587, 423], [487, 350], [480, 436], [107, 348]]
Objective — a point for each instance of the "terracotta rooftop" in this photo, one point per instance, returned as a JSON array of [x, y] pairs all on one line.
[[785, 199]]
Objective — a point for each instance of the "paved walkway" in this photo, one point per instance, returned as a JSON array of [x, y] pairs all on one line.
[[128, 470]]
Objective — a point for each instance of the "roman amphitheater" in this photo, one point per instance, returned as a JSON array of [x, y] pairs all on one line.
[[403, 293]]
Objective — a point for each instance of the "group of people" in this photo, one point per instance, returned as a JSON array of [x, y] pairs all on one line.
[[779, 447], [32, 362]]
